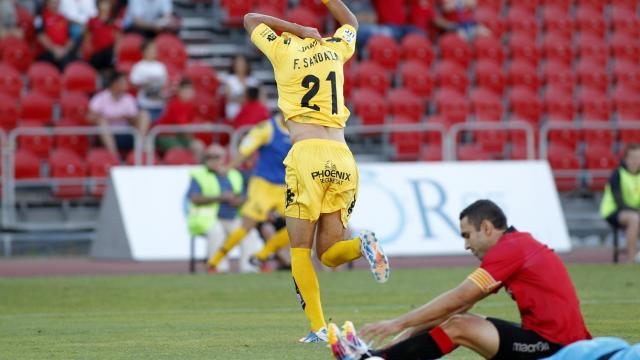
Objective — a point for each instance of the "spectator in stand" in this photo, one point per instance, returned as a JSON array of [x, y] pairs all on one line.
[[180, 111], [395, 16], [115, 108], [458, 16], [423, 16], [253, 110], [9, 20], [150, 76], [101, 35], [621, 201], [78, 12], [150, 17], [53, 36], [236, 84]]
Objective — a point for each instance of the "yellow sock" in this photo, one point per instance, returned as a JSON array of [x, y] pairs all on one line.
[[341, 252], [279, 240], [232, 240], [307, 287]]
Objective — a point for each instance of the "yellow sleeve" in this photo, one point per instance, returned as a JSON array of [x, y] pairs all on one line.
[[484, 280], [258, 136], [267, 41], [344, 41]]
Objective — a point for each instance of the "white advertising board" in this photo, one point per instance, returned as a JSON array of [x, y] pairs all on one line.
[[412, 207]]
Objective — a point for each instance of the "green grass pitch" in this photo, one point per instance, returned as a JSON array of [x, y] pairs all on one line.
[[253, 316]]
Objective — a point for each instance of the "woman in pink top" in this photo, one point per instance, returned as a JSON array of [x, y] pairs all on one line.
[[115, 108]]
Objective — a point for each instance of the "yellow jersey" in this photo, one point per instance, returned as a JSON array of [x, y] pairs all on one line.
[[309, 74]]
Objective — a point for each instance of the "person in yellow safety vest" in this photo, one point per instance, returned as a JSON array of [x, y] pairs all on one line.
[[215, 194], [620, 204]]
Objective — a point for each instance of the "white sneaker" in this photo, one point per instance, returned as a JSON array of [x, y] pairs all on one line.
[[372, 251], [315, 337]]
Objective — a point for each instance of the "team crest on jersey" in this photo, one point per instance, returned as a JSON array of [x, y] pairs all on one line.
[[348, 35]]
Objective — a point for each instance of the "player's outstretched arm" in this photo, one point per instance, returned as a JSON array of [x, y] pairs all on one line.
[[252, 20], [341, 13]]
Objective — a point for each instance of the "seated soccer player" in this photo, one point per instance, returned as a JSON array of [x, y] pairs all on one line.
[[530, 272]]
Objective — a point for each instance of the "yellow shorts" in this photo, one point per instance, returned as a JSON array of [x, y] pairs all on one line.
[[262, 198], [321, 177]]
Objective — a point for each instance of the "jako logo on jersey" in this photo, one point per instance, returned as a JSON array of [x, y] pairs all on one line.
[[531, 348], [330, 174], [348, 35]]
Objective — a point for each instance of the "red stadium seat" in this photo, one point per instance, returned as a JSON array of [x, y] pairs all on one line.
[[235, 11], [278, 5], [306, 17], [559, 75], [417, 78], [207, 107], [45, 78], [316, 6], [557, 48], [557, 21], [485, 105], [74, 106], [204, 78], [171, 51], [602, 160], [625, 47], [561, 5], [431, 152], [179, 156], [472, 152], [562, 158], [521, 47], [488, 18], [17, 53], [456, 49], [630, 5], [404, 104], [599, 137], [450, 75], [489, 75], [626, 102], [36, 107], [10, 81], [522, 22], [369, 106], [597, 5], [131, 159], [407, 144], [79, 76], [492, 5], [67, 165], [517, 151], [383, 50], [565, 136], [100, 161], [416, 47], [525, 105], [594, 106], [624, 21], [590, 21], [592, 76], [372, 76], [451, 105], [79, 144], [492, 141], [627, 73], [559, 105], [592, 48], [39, 145], [129, 51], [26, 165], [9, 112], [522, 73], [434, 137], [488, 48], [529, 6]]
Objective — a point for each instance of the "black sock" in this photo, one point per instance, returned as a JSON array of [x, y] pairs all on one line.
[[417, 347]]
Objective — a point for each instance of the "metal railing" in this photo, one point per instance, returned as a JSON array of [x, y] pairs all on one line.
[[456, 129], [212, 129], [3, 178]]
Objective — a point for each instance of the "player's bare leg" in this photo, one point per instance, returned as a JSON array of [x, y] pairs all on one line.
[[301, 233], [473, 332], [631, 221], [232, 240]]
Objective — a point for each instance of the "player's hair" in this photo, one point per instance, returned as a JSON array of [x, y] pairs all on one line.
[[631, 147], [115, 77], [482, 210], [239, 56], [185, 83], [252, 93]]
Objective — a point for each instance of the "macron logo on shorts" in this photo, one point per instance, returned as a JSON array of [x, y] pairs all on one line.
[[540, 346]]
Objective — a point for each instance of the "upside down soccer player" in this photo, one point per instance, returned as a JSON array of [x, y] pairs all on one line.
[[321, 173], [531, 273]]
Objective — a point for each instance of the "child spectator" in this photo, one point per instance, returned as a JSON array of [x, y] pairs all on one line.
[[180, 111], [100, 36], [253, 110], [53, 36], [236, 85], [149, 76], [78, 12]]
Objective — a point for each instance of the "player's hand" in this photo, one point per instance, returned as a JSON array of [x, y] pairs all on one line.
[[310, 32], [377, 332]]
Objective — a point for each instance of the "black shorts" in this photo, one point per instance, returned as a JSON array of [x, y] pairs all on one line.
[[613, 219], [517, 343]]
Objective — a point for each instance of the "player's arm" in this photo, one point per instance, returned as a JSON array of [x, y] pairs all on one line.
[[252, 20], [454, 301], [341, 13], [195, 195], [259, 136]]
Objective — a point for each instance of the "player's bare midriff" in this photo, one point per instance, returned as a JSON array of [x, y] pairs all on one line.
[[299, 132]]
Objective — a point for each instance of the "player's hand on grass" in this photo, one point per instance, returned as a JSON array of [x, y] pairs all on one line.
[[376, 333], [310, 32]]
